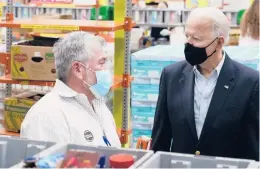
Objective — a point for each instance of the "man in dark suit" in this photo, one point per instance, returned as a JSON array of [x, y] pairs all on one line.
[[208, 104]]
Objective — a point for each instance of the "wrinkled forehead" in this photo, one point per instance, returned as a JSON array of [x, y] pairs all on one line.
[[199, 26]]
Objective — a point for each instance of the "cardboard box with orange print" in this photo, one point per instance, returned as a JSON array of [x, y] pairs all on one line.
[[32, 63]]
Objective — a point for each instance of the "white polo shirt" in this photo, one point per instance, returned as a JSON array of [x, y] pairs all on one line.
[[65, 116]]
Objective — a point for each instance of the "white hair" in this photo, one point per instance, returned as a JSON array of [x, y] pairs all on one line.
[[219, 20], [75, 46]]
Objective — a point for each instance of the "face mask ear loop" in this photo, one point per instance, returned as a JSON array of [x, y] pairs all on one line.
[[212, 42], [214, 50], [86, 67], [212, 53], [87, 83], [86, 72]]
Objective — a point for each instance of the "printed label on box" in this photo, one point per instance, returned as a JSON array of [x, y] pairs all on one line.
[[32, 63]]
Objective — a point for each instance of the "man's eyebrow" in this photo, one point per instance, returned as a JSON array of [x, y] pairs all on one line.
[[103, 58]]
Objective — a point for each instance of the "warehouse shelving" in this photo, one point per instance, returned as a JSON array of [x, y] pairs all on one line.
[[8, 80], [121, 80], [172, 17], [71, 25], [4, 132]]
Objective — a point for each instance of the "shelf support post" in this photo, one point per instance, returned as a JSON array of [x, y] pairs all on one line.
[[119, 12], [97, 9], [9, 33], [121, 107]]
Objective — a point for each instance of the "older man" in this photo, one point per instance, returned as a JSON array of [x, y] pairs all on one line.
[[208, 104], [75, 111]]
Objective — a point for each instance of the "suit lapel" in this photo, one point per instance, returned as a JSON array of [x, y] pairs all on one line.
[[222, 90], [187, 95]]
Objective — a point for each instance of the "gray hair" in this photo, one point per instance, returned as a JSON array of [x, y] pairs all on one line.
[[75, 46], [219, 20]]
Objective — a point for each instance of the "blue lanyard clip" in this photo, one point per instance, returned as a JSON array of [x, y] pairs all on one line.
[[106, 141]]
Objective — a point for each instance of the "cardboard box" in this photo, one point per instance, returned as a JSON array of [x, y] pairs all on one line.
[[19, 1], [51, 16], [233, 37], [32, 63], [16, 107]]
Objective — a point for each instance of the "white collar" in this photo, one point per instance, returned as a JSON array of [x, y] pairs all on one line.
[[218, 68], [220, 65], [64, 90]]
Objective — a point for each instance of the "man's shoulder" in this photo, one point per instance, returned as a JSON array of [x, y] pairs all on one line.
[[177, 67], [48, 103]]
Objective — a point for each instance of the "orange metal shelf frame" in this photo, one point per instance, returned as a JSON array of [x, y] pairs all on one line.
[[118, 80], [4, 132], [8, 80], [73, 25]]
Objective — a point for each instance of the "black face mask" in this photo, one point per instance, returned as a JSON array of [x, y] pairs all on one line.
[[195, 55]]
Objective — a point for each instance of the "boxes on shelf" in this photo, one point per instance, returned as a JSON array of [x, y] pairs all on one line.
[[143, 112], [150, 61], [146, 68], [19, 1], [132, 157], [234, 37], [144, 92], [52, 16], [142, 119], [14, 150], [105, 13], [176, 160], [33, 60], [16, 107]]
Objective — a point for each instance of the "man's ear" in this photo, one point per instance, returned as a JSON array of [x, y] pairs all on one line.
[[221, 43], [76, 69]]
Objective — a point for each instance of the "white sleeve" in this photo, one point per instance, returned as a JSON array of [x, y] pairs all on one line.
[[42, 127]]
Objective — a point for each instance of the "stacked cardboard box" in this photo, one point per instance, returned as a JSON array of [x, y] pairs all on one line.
[[16, 107], [146, 68]]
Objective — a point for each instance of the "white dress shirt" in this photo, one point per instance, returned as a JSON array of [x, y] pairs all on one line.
[[65, 116], [203, 92]]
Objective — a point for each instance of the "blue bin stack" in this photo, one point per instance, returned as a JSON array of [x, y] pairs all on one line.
[[146, 68]]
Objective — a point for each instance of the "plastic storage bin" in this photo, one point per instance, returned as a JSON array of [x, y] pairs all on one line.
[[140, 155], [14, 149], [175, 160]]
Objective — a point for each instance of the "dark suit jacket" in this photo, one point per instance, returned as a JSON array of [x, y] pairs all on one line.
[[231, 127]]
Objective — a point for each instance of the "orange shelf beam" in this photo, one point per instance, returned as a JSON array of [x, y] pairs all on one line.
[[7, 133], [72, 25], [8, 80]]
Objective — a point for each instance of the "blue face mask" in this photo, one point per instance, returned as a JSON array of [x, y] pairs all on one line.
[[103, 85]]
